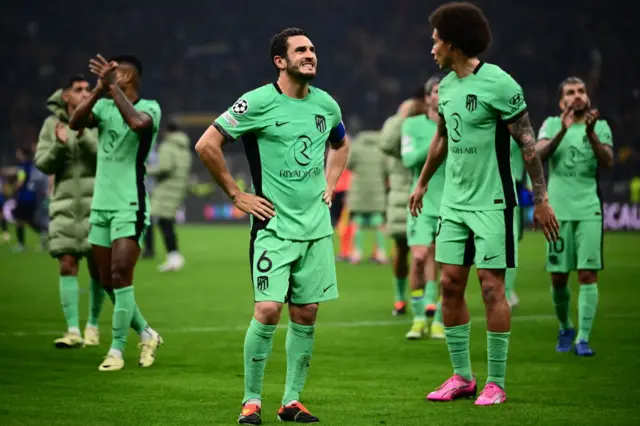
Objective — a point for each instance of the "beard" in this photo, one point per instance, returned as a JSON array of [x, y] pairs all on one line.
[[295, 73]]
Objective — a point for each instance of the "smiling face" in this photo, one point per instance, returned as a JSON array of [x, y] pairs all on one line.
[[300, 61], [441, 51]]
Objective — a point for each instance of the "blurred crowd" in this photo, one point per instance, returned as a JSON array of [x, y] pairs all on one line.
[[200, 56]]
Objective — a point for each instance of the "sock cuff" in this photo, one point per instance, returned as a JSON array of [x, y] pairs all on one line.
[[417, 293], [589, 288], [498, 334], [123, 290], [68, 279], [263, 328], [432, 282], [300, 329], [458, 329]]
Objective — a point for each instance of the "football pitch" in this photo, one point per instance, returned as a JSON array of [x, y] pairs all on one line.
[[363, 371]]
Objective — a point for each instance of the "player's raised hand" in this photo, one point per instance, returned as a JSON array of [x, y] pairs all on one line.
[[415, 200], [254, 205], [61, 133], [567, 117], [545, 218], [105, 71], [590, 119]]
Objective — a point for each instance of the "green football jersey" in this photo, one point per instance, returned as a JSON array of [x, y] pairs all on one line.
[[417, 133], [477, 109], [285, 141], [573, 170], [122, 154]]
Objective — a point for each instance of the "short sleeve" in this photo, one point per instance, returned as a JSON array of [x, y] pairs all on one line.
[[242, 117], [338, 130], [153, 110], [97, 110], [547, 130], [604, 132], [509, 98]]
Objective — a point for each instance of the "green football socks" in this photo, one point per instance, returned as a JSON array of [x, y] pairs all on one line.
[[138, 322], [587, 306], [400, 286], [561, 301], [96, 299], [458, 345], [418, 303], [497, 350], [431, 292], [257, 347], [69, 299], [299, 347], [123, 311]]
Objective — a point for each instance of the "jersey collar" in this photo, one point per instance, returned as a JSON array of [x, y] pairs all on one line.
[[477, 68]]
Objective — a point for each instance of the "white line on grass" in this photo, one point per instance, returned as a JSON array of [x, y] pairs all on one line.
[[321, 325]]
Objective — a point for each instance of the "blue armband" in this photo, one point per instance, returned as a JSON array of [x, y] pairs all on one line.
[[337, 133]]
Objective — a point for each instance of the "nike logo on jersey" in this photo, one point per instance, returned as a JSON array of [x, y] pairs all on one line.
[[486, 259], [278, 123]]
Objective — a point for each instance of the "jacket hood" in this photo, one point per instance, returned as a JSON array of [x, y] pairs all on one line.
[[179, 139], [57, 106]]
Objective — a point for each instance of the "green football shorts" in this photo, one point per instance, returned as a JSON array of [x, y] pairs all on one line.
[[421, 230], [578, 247], [299, 272], [486, 238], [110, 225]]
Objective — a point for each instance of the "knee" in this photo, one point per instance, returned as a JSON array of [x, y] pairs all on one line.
[[118, 275], [419, 255], [451, 287], [587, 277], [268, 313], [68, 266], [492, 288], [304, 314]]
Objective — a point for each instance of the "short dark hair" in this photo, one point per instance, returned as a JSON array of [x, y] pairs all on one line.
[[464, 26], [131, 60], [280, 41], [569, 80], [172, 126], [74, 79]]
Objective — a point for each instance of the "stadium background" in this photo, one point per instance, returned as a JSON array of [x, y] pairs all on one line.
[[201, 56]]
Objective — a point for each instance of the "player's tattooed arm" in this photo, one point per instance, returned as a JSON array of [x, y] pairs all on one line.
[[604, 153], [437, 153], [524, 136], [135, 119]]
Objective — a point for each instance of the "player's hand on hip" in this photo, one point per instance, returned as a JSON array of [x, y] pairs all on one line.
[[327, 197], [105, 71], [590, 119], [545, 218], [415, 200], [254, 205], [61, 133]]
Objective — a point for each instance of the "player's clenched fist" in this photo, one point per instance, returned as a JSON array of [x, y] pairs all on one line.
[[415, 200], [254, 205], [545, 218]]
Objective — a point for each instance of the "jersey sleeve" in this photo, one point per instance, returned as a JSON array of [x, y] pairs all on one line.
[[414, 145], [153, 110], [509, 99], [547, 130], [604, 132], [241, 117], [97, 109], [338, 130]]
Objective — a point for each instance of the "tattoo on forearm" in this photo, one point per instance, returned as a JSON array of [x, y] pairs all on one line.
[[522, 132]]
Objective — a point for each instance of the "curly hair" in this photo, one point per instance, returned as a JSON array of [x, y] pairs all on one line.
[[464, 26]]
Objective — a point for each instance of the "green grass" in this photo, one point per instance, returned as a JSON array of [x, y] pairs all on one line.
[[363, 372]]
